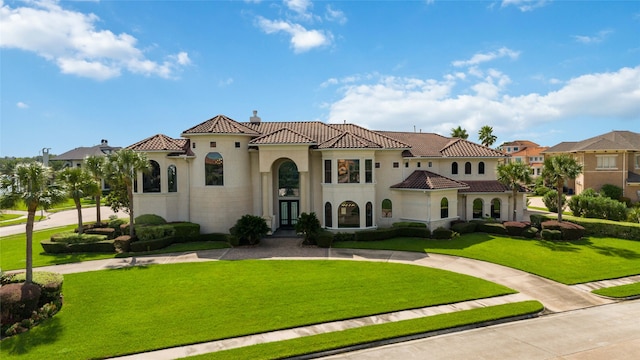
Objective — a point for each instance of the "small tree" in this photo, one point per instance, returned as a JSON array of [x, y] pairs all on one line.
[[486, 136], [550, 200], [459, 132], [514, 175], [557, 169], [95, 165], [309, 226], [250, 229], [78, 184], [31, 183]]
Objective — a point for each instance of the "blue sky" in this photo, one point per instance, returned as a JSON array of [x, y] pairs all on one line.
[[73, 73]]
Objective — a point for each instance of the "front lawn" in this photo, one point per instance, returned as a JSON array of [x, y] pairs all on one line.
[[117, 312], [589, 259], [622, 291]]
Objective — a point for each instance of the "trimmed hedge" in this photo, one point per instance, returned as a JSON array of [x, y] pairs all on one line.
[[74, 238], [419, 232], [110, 233], [537, 219], [492, 228], [376, 235], [552, 235], [515, 228], [570, 231], [212, 237], [443, 234], [51, 247], [325, 239], [50, 284], [598, 227], [149, 219], [152, 232], [464, 227], [149, 245], [530, 233], [122, 244], [18, 300], [185, 231], [409, 224]]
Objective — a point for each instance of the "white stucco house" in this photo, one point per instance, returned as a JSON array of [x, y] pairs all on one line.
[[351, 177]]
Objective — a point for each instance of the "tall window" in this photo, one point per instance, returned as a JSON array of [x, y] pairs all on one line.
[[369, 214], [151, 180], [454, 168], [444, 208], [477, 208], [328, 215], [327, 171], [481, 167], [213, 169], [467, 168], [349, 171], [368, 171], [637, 162], [495, 208], [387, 208], [172, 177], [288, 179], [348, 215], [606, 161]]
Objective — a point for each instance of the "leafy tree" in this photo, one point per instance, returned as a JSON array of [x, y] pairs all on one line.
[[486, 136], [550, 200], [459, 132], [514, 175], [250, 229], [78, 184], [309, 226], [121, 170], [95, 165], [557, 169], [31, 183]]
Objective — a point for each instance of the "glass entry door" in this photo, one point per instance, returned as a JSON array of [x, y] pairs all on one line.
[[288, 213]]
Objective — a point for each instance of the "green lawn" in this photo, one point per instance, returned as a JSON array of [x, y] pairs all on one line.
[[622, 291], [66, 205], [20, 221], [117, 312], [590, 259], [7, 217]]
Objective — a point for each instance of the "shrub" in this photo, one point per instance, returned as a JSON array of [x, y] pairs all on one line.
[[249, 229], [611, 191], [116, 224], [18, 301], [552, 235], [213, 237], [324, 239], [537, 219], [376, 235], [108, 232], [541, 190], [105, 246], [150, 245], [309, 226], [185, 231], [419, 232], [50, 284], [73, 238], [515, 228], [409, 224], [569, 230], [550, 200], [464, 227], [530, 233], [492, 228], [442, 233], [151, 232], [122, 244], [607, 228], [149, 219], [344, 237], [598, 207]]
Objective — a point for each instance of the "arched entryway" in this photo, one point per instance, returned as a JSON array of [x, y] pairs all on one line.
[[288, 180]]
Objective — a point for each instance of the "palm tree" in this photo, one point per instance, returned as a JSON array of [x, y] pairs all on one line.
[[31, 183], [557, 169], [486, 136], [78, 184], [95, 164], [122, 168], [514, 175], [459, 132]]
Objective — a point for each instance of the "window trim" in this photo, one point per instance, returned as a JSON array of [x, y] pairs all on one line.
[[608, 156]]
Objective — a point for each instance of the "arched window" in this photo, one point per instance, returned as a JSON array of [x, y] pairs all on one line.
[[481, 167], [387, 208], [172, 177], [477, 208], [467, 168], [444, 208], [151, 180], [369, 214], [328, 215], [454, 168], [495, 208], [213, 169], [288, 179], [349, 215]]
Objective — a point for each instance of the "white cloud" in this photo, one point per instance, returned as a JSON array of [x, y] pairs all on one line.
[[598, 38], [525, 5], [301, 39], [226, 82], [389, 103], [485, 57], [22, 105], [71, 40], [335, 15]]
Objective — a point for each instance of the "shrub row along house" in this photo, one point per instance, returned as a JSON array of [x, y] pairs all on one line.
[[351, 177]]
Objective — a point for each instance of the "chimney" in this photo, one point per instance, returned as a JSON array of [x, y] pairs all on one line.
[[255, 118], [104, 142]]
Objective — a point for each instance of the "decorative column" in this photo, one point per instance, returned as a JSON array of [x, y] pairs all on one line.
[[266, 194], [304, 192]]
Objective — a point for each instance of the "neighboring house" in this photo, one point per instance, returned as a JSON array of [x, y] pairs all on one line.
[[531, 156], [351, 177], [75, 157], [612, 158], [516, 146]]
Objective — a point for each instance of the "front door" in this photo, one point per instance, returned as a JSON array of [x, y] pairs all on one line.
[[288, 213]]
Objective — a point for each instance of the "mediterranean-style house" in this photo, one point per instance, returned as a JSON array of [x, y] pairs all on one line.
[[530, 154], [351, 177], [612, 158], [75, 157]]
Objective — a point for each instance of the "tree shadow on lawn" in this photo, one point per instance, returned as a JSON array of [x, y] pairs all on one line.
[[459, 243], [575, 246], [615, 251], [564, 246], [44, 333]]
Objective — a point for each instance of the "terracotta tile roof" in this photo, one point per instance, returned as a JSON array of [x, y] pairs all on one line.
[[463, 148], [525, 143], [422, 144], [348, 140], [485, 186], [159, 142], [614, 140], [283, 136], [314, 130], [220, 124], [377, 137], [530, 151], [426, 180]]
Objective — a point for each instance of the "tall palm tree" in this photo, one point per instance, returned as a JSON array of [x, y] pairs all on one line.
[[486, 136], [78, 184], [514, 175], [95, 164], [122, 168], [459, 132], [31, 183], [556, 170]]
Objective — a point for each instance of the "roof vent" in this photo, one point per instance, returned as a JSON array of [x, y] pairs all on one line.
[[255, 118]]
